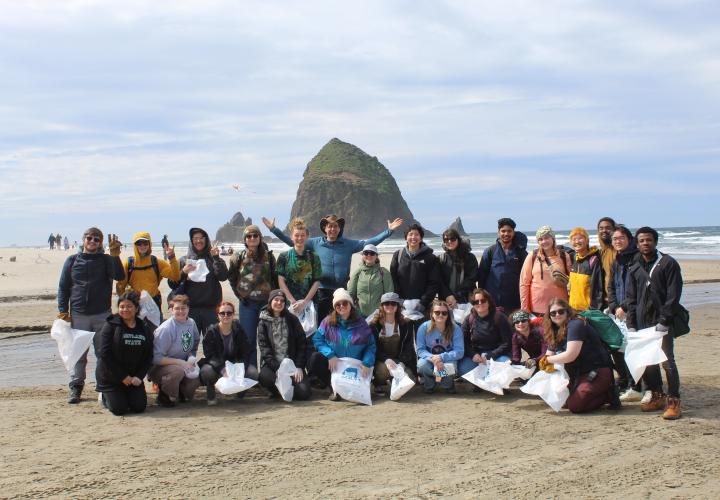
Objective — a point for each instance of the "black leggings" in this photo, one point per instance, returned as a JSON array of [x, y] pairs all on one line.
[[126, 399]]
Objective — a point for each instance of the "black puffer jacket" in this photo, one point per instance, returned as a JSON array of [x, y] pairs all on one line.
[[119, 357], [296, 340], [467, 280], [416, 277], [214, 347], [657, 302], [209, 292]]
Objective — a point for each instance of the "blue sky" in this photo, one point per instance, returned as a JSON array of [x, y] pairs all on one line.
[[141, 115]]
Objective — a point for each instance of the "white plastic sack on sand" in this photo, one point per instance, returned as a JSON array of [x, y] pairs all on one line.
[[71, 343], [623, 329], [478, 376], [644, 348], [401, 383], [200, 272], [410, 309], [283, 380], [149, 309], [347, 381], [234, 380], [308, 318], [193, 372], [461, 312], [551, 387]]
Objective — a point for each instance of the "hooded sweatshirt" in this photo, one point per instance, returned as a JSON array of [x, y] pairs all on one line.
[[587, 284], [368, 284], [143, 276], [121, 352], [417, 275], [207, 293]]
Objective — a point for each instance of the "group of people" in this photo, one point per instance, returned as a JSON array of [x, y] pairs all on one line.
[[524, 307], [57, 241]]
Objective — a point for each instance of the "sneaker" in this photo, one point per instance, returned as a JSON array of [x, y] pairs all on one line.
[[630, 395], [212, 402], [672, 410], [334, 396], [646, 397], [657, 402], [75, 393], [164, 400]]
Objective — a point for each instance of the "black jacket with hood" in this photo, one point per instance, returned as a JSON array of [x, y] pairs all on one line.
[[656, 299], [209, 292], [416, 277], [114, 362], [467, 279], [620, 278], [296, 340], [499, 273], [214, 347]]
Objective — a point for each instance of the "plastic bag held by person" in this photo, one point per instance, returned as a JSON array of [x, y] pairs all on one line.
[[551, 387], [461, 312], [283, 380], [149, 309], [347, 381], [401, 383], [193, 372], [71, 343], [478, 376], [623, 328], [410, 309], [201, 270], [234, 380], [308, 318], [644, 348]]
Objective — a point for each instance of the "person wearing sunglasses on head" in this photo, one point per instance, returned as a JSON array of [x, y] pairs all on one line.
[[487, 333], [576, 345], [528, 337], [458, 269], [252, 277], [342, 334], [223, 341], [85, 293], [369, 281], [439, 341], [144, 271]]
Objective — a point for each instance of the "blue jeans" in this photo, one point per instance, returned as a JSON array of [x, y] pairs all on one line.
[[466, 364], [426, 369], [249, 317]]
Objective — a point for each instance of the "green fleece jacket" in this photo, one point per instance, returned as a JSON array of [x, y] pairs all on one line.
[[368, 284]]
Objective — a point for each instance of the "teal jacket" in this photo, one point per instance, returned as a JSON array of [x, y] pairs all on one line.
[[368, 284], [346, 340]]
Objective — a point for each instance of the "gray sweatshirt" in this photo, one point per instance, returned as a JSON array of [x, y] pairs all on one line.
[[175, 340]]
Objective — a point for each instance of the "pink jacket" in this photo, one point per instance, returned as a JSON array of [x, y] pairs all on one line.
[[536, 291]]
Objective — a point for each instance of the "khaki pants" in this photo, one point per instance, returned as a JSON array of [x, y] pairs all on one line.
[[172, 381]]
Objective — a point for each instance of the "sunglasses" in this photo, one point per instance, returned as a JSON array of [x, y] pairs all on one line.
[[369, 253], [440, 313], [476, 302], [449, 240], [96, 239], [141, 243], [252, 236], [557, 312], [389, 304], [520, 321], [225, 313], [343, 303]]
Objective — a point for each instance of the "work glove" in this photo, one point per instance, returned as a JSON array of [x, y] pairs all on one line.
[[544, 365], [530, 363], [115, 245], [64, 316]]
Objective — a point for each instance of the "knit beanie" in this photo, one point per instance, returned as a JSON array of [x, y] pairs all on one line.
[[341, 294], [252, 228], [520, 316], [545, 231], [276, 293]]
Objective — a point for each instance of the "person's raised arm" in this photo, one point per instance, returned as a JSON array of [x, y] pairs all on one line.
[[270, 224]]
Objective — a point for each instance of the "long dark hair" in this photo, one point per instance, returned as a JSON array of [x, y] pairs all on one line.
[[379, 319], [332, 318], [486, 295], [554, 334], [462, 249]]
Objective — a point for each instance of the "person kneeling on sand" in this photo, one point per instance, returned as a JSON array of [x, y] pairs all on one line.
[[527, 337], [280, 335], [342, 334], [124, 352], [574, 343], [176, 339], [223, 341]]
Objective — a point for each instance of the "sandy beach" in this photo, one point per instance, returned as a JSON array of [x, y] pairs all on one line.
[[465, 446]]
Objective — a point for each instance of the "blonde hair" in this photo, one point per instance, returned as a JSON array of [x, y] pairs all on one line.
[[447, 332], [299, 224]]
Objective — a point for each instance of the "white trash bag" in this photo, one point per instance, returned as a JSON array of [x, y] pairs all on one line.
[[623, 329], [401, 383], [234, 380], [200, 272], [410, 309], [284, 379], [460, 312], [149, 309], [644, 348], [71, 343], [551, 387], [193, 372], [308, 318], [348, 383], [478, 376]]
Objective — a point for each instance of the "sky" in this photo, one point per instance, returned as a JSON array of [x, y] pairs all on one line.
[[141, 115]]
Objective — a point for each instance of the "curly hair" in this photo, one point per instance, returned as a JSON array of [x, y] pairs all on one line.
[[554, 335]]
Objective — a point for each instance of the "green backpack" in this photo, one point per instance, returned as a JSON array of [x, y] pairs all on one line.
[[609, 332]]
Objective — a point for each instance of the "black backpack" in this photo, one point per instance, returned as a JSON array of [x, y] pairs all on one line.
[[153, 264]]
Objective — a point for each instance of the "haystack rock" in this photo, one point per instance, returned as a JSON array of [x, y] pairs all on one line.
[[344, 180], [457, 225], [233, 231]]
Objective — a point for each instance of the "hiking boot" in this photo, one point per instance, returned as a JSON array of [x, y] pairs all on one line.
[[630, 395], [164, 400], [672, 410], [614, 402], [657, 402], [334, 396], [647, 396], [75, 393]]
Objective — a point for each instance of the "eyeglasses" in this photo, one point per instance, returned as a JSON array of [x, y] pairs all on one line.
[[394, 304], [520, 321], [440, 313], [252, 236], [225, 313], [477, 302], [141, 243], [343, 303], [96, 239], [449, 240], [558, 312], [369, 253]]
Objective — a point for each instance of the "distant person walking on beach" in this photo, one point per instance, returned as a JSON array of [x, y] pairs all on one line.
[[58, 241], [653, 298], [500, 266], [66, 243], [85, 291], [165, 245], [51, 241], [458, 269], [545, 274], [335, 252]]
